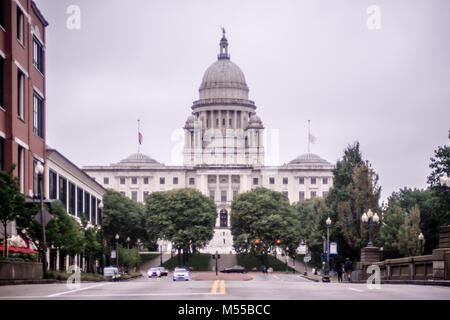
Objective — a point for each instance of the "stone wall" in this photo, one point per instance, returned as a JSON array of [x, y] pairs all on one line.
[[12, 270]]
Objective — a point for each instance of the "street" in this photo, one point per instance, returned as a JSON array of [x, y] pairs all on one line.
[[276, 286]]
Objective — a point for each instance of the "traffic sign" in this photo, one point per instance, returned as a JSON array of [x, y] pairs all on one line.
[[302, 249], [46, 217], [307, 258], [333, 248]]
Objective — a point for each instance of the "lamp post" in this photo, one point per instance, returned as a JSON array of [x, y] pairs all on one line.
[[139, 244], [100, 207], [128, 243], [160, 256], [381, 253], [117, 249], [39, 170], [246, 253], [369, 219], [326, 277], [421, 237]]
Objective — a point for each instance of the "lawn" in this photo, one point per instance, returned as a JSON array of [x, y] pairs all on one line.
[[197, 261]]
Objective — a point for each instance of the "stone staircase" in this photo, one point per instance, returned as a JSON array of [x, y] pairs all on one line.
[[225, 261]]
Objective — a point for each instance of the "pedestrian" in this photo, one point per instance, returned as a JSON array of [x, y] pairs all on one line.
[[348, 268], [338, 269]]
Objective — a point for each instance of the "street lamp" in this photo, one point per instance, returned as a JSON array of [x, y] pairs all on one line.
[[100, 207], [421, 237], [369, 219], [327, 270], [128, 243], [39, 170], [381, 253], [117, 249]]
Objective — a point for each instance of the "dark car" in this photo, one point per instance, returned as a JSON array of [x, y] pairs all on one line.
[[234, 269]]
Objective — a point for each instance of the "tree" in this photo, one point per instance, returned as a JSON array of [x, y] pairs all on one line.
[[408, 243], [393, 219], [183, 216], [267, 216], [124, 217], [313, 214], [12, 202]]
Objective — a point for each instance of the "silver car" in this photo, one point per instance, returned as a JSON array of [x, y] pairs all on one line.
[[180, 274]]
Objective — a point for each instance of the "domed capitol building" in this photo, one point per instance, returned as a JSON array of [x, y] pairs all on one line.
[[223, 155]]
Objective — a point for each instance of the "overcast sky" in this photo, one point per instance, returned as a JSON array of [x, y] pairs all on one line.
[[388, 88]]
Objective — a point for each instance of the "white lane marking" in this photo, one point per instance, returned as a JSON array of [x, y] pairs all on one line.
[[276, 277], [109, 295], [76, 290], [357, 290]]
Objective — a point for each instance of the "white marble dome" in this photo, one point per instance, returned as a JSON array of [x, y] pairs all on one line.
[[138, 159], [309, 159]]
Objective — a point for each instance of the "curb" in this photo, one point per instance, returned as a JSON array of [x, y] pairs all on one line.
[[413, 282], [50, 281]]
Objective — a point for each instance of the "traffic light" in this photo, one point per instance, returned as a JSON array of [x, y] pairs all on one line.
[[256, 241], [278, 241]]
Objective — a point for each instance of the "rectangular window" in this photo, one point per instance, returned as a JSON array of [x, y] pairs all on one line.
[[313, 194], [255, 181], [71, 198], [146, 180], [52, 185], [36, 187], [2, 81], [301, 195], [133, 180], [285, 180], [38, 115], [105, 180], [93, 210], [301, 180], [272, 180], [123, 193], [20, 93], [313, 180], [38, 55], [175, 180], [324, 194], [21, 168], [63, 191], [223, 196], [145, 195], [19, 25], [162, 180], [325, 181], [230, 122], [79, 202], [191, 181], [235, 193], [87, 205], [122, 180], [212, 194], [134, 195]]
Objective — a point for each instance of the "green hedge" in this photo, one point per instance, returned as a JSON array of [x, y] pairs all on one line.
[[255, 262], [197, 261]]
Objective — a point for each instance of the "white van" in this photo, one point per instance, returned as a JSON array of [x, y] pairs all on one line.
[[112, 272]]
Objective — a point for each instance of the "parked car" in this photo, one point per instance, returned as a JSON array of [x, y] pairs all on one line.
[[234, 269], [163, 271], [180, 274], [154, 272], [111, 272]]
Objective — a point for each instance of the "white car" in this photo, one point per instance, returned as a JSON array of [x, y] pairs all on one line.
[[180, 274], [111, 272]]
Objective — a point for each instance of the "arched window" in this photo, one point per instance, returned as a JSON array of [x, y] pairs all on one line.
[[223, 218]]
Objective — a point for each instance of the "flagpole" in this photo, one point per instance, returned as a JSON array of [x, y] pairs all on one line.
[[139, 130], [309, 136]]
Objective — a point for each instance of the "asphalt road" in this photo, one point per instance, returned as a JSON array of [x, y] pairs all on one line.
[[277, 286]]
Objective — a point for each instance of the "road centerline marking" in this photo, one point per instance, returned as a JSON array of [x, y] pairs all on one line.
[[214, 287], [222, 287]]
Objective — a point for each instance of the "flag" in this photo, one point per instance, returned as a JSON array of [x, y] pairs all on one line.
[[140, 137], [312, 139]]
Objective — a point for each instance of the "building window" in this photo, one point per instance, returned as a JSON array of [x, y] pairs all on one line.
[[105, 180], [146, 180], [191, 181], [230, 123], [235, 193], [162, 180], [313, 194], [324, 194], [36, 187], [38, 55], [123, 193], [87, 205], [122, 180], [272, 180], [20, 93], [63, 191], [71, 198], [223, 196], [2, 81], [301, 180], [313, 180], [93, 210], [212, 194], [134, 195], [52, 185], [133, 180], [217, 123], [79, 202], [37, 115], [145, 195], [285, 180], [325, 181], [223, 122], [286, 194], [175, 180], [301, 195], [21, 168], [20, 25], [223, 218], [255, 181]]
